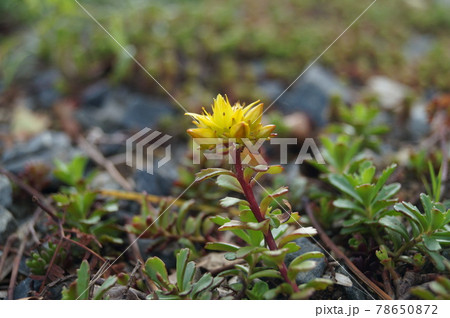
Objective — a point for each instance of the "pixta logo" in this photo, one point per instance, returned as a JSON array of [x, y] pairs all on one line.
[[141, 148], [309, 151]]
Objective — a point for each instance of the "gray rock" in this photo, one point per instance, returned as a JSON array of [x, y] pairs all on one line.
[[95, 94], [418, 125], [121, 109], [307, 246], [103, 180], [389, 92], [109, 116], [354, 292], [417, 47], [159, 183], [146, 111], [7, 224], [272, 88], [311, 94], [258, 68], [26, 287], [23, 289], [44, 88], [43, 148], [5, 191]]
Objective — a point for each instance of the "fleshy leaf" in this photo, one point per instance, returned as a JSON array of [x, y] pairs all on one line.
[[229, 182], [218, 246], [210, 173], [154, 266], [301, 232]]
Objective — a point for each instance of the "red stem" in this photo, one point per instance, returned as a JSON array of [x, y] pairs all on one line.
[[254, 206]]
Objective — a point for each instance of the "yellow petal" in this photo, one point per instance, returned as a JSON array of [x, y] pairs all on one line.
[[201, 133], [265, 131], [248, 107], [240, 130], [254, 114]]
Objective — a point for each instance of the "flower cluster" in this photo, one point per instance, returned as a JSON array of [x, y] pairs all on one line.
[[226, 121]]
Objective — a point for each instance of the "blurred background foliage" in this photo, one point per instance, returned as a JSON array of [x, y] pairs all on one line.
[[197, 48]]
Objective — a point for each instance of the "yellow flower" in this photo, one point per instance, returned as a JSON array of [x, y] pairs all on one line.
[[228, 121]]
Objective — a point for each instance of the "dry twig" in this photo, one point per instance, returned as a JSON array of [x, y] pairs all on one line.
[[15, 271]]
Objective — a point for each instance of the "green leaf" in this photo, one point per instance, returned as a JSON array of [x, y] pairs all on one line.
[[248, 173], [384, 177], [260, 168], [269, 198], [347, 204], [282, 288], [230, 183], [396, 225], [437, 220], [91, 220], [431, 244], [344, 185], [317, 284], [247, 216], [109, 239], [83, 274], [303, 294], [210, 173], [276, 169], [422, 293], [427, 206], [276, 256], [217, 246], [256, 237], [279, 231], [203, 283], [266, 273], [188, 276], [230, 201], [154, 266], [437, 259], [301, 232], [301, 258], [61, 199], [247, 250], [440, 288], [182, 259], [258, 290], [216, 282], [291, 247], [388, 191], [70, 293], [412, 213], [442, 237], [279, 192], [220, 220], [83, 202], [70, 173], [181, 219], [368, 173], [303, 266], [380, 206], [107, 284], [366, 193], [235, 225]]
